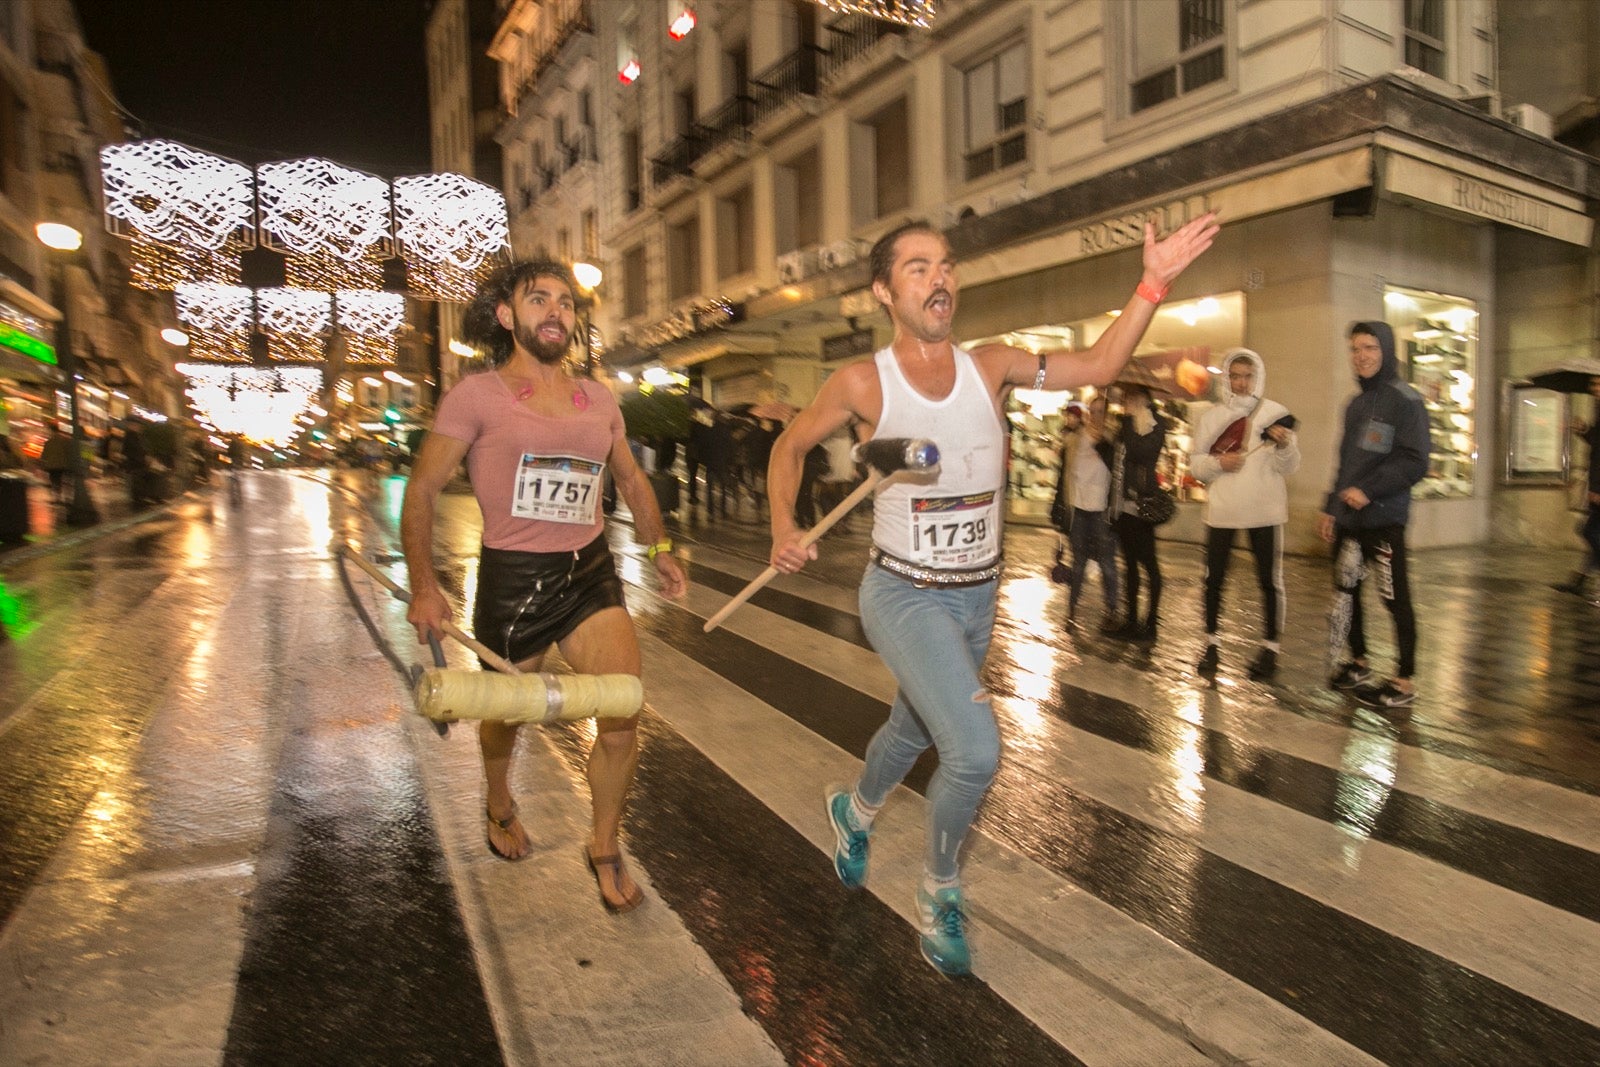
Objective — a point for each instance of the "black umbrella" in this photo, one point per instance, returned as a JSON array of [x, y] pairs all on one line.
[[1568, 376]]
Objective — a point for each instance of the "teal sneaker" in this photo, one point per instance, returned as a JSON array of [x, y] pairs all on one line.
[[849, 843], [943, 925]]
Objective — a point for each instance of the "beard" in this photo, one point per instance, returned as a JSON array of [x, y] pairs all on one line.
[[546, 352]]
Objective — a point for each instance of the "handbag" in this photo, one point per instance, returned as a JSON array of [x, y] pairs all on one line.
[[1157, 507], [1059, 573]]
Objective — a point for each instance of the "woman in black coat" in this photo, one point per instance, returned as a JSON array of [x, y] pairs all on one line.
[[1140, 439]]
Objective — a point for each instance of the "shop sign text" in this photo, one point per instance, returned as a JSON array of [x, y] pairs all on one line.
[[1127, 230]]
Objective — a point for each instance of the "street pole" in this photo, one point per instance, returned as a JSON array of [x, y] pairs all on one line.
[[63, 241]]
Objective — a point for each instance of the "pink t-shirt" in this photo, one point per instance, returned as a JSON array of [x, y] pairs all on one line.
[[537, 478]]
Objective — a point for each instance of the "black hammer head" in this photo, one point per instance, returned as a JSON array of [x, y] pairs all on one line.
[[890, 454]]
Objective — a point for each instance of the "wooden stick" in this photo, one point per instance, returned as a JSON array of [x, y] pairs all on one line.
[[484, 652], [811, 536]]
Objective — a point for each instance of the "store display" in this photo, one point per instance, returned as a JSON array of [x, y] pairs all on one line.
[[1438, 350]]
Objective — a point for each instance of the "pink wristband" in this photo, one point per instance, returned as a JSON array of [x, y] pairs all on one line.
[[1145, 290]]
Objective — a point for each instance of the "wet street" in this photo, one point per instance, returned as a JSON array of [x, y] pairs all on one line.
[[226, 838]]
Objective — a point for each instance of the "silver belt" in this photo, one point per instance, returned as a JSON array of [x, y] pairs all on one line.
[[928, 576]]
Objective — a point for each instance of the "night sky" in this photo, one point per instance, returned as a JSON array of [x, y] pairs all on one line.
[[258, 80]]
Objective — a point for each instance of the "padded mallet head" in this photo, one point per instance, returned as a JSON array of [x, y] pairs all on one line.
[[890, 454], [446, 695]]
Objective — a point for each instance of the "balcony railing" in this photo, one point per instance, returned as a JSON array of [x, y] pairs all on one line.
[[793, 76], [730, 122], [853, 36]]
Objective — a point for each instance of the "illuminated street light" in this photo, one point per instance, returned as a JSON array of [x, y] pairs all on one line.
[[175, 336], [59, 236], [66, 241], [587, 275]]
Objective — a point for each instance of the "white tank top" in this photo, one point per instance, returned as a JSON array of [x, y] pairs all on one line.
[[949, 518]]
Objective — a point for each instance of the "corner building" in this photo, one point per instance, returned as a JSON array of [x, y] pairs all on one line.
[[1366, 158]]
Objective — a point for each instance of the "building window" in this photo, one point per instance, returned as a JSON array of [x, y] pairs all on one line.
[[736, 233], [1425, 36], [632, 171], [798, 199], [1177, 48], [591, 234], [881, 164], [1437, 338], [635, 293], [683, 260], [995, 97], [564, 245]]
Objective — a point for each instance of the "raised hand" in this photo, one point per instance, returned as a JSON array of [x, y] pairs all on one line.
[[1166, 259]]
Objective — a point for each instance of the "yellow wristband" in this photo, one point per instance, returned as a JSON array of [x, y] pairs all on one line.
[[663, 545]]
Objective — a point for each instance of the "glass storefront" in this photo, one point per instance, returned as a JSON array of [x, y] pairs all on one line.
[[1179, 348], [1437, 341]]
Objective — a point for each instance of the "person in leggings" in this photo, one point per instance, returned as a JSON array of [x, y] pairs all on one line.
[[929, 593], [1140, 438], [1244, 450]]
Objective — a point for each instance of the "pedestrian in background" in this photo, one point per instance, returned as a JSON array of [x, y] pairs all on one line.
[[1083, 491], [928, 597], [56, 460], [1243, 454], [1589, 433], [1140, 435], [1382, 454], [546, 575]]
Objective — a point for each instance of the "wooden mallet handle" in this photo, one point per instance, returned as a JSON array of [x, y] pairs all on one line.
[[483, 651], [811, 536]]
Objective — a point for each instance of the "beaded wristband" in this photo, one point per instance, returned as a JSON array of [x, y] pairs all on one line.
[[663, 545], [1149, 292]]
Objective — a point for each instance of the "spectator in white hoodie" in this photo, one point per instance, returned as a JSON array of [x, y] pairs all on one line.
[[1244, 449]]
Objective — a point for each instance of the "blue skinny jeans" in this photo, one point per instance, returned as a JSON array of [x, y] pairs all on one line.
[[935, 641]]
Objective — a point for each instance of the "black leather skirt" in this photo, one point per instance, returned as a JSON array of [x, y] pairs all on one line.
[[527, 601]]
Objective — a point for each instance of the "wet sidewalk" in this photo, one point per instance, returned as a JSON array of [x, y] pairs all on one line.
[[48, 528]]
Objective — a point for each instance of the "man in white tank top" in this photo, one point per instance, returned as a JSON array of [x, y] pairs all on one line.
[[928, 598]]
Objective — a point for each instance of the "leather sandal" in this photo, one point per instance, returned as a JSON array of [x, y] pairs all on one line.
[[504, 825], [614, 861]]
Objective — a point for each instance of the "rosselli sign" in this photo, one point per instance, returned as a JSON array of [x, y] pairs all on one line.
[[1483, 196]]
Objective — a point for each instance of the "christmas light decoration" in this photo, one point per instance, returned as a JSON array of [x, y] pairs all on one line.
[[295, 322], [175, 194], [918, 13], [158, 267], [371, 322], [451, 231], [219, 317], [262, 403], [330, 222]]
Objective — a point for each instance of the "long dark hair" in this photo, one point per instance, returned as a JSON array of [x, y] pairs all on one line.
[[480, 327]]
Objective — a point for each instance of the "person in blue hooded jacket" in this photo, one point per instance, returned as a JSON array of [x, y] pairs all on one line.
[[1382, 454]]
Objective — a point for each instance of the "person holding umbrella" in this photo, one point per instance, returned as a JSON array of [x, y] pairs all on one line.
[[1589, 433]]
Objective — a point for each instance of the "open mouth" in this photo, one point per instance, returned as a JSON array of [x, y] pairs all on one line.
[[939, 301]]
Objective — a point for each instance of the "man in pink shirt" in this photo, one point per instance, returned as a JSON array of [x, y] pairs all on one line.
[[537, 441]]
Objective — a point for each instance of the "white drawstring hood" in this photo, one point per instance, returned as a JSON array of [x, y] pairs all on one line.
[[1255, 494]]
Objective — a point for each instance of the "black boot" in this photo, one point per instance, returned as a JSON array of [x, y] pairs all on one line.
[[1265, 665], [1207, 667]]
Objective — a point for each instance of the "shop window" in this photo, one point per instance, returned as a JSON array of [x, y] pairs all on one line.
[[1437, 339], [1425, 36], [1180, 348], [995, 100], [1177, 47]]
